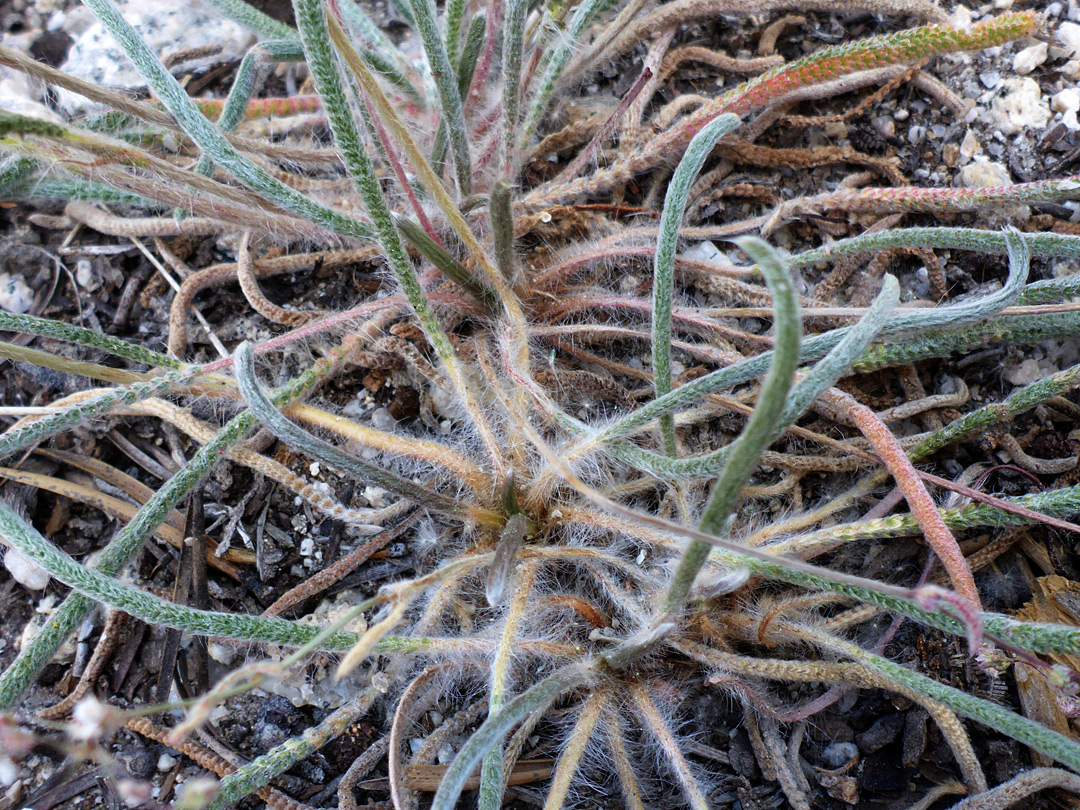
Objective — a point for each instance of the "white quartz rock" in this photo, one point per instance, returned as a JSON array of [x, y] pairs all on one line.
[[25, 571], [1030, 58], [1020, 107], [167, 26]]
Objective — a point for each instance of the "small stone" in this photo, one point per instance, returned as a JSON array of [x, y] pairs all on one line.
[[837, 130], [839, 753], [375, 496], [1020, 107], [165, 762], [167, 26], [1002, 5], [916, 134], [990, 79], [885, 125], [1061, 269], [705, 251], [25, 571], [1067, 102], [969, 147], [884, 731], [86, 276], [1026, 373], [18, 95], [1068, 34], [950, 154], [382, 420], [1030, 58], [221, 653], [961, 17], [842, 788], [381, 681], [15, 294], [901, 114], [1071, 70], [983, 174]]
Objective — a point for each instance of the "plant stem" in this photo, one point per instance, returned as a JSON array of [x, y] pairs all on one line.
[[449, 95], [664, 265], [495, 728], [759, 431], [213, 143], [295, 436], [491, 772], [18, 677]]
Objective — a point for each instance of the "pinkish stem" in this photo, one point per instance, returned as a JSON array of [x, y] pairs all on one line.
[[263, 107], [922, 506], [578, 303], [491, 148], [561, 272], [399, 170], [589, 152], [483, 67]]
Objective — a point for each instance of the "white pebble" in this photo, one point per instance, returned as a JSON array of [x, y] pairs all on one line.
[[9, 772], [375, 496], [1068, 34], [839, 753], [446, 754], [704, 251], [314, 468], [167, 26], [85, 275], [1067, 102], [221, 653], [983, 175], [1020, 107], [1025, 373], [25, 571], [969, 147], [19, 95], [382, 420], [15, 295], [961, 17], [1030, 58], [165, 762]]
